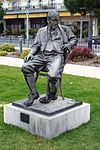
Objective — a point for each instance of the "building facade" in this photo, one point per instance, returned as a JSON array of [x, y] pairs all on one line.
[[17, 11]]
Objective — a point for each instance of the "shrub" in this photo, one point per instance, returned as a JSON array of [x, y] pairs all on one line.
[[1, 47], [3, 53], [85, 33], [80, 54], [15, 32], [25, 53], [7, 47], [45, 7], [32, 31], [7, 32], [23, 31]]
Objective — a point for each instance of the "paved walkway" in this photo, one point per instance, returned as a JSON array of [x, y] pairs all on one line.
[[1, 105], [79, 70], [9, 61]]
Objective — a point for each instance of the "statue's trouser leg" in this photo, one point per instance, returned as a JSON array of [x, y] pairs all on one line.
[[30, 80], [54, 66], [51, 91], [53, 87], [28, 71]]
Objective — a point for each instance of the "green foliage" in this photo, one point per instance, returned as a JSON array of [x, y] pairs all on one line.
[[2, 12], [16, 31], [83, 6], [32, 31], [71, 5], [25, 53], [3, 53], [76, 30], [7, 47], [97, 13], [45, 7], [6, 31], [23, 31], [75, 6], [93, 7], [85, 33]]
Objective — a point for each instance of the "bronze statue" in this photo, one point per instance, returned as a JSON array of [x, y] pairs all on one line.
[[50, 48]]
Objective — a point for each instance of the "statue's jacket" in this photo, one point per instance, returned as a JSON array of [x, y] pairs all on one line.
[[66, 38]]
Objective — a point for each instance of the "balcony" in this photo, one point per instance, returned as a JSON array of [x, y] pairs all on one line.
[[36, 8]]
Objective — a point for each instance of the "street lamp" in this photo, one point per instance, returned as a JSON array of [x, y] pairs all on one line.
[[82, 11], [81, 28], [27, 24]]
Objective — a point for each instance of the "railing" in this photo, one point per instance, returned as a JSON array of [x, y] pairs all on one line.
[[16, 42], [84, 43], [35, 7]]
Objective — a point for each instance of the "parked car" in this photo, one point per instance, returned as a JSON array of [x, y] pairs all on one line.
[[96, 40]]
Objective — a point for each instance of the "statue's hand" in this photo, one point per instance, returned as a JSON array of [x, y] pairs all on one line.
[[28, 57], [64, 47]]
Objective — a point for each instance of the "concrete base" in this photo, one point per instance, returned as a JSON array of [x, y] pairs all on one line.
[[44, 125]]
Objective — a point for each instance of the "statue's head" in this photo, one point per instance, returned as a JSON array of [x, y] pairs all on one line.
[[53, 19]]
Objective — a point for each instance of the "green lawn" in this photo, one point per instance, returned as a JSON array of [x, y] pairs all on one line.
[[86, 137]]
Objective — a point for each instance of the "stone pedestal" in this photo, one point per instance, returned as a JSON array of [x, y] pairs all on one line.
[[47, 120]]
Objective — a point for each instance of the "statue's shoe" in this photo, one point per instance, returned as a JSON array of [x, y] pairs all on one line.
[[53, 97], [46, 100], [31, 98]]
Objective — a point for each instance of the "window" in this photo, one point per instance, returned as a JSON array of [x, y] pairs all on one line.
[[40, 2]]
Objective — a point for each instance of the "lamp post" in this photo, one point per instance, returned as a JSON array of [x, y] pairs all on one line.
[[90, 30], [82, 11], [81, 28], [27, 24]]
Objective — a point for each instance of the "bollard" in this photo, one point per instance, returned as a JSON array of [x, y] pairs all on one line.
[[10, 39], [20, 44]]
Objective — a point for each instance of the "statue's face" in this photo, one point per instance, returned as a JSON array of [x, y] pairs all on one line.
[[53, 22]]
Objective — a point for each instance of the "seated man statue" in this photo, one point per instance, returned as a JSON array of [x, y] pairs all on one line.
[[50, 48]]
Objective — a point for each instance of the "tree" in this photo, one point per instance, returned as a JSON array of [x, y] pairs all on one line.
[[75, 6], [93, 8], [85, 6], [2, 12]]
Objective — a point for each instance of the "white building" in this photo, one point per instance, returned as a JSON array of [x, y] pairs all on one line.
[[15, 17]]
